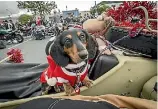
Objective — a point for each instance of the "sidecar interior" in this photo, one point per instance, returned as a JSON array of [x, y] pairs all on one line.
[[149, 90], [19, 81]]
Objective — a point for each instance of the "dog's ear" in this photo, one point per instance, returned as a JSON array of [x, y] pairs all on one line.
[[92, 45], [57, 53]]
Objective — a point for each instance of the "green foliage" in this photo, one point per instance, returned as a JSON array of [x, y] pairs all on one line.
[[101, 7], [25, 18], [37, 7]]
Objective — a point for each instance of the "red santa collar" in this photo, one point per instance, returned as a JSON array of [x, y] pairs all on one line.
[[74, 66]]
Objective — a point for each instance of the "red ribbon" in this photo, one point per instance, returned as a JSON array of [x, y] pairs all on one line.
[[77, 90]]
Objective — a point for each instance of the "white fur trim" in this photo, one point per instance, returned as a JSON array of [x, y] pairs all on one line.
[[73, 66], [52, 81], [46, 77], [62, 80], [72, 73]]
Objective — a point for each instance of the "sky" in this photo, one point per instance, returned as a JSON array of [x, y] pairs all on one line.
[[10, 7], [71, 5]]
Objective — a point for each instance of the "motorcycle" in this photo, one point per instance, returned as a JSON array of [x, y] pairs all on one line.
[[38, 33], [26, 31], [11, 36], [58, 28], [50, 31]]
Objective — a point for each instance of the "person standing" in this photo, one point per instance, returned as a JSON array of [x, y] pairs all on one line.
[[7, 25], [38, 21], [12, 25]]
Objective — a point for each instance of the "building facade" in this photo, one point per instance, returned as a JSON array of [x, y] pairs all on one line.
[[83, 13], [68, 13]]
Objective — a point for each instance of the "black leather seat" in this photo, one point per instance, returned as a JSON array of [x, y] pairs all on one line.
[[103, 65]]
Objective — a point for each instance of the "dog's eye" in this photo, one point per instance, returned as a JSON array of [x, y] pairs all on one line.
[[83, 38], [68, 43]]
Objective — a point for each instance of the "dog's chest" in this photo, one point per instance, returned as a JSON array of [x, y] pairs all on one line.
[[72, 73]]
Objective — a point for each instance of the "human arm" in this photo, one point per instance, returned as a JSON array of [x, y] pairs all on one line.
[[118, 101], [130, 102]]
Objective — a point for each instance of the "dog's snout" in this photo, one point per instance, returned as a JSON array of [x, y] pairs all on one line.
[[83, 57], [83, 54]]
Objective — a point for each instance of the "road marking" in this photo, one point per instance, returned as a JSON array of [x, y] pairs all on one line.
[[6, 58], [19, 44]]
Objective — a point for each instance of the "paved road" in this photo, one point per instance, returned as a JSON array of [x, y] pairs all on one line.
[[33, 50]]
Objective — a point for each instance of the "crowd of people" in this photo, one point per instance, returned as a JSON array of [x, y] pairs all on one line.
[[57, 21], [8, 24]]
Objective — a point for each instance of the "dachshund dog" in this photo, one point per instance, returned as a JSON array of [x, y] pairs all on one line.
[[68, 56]]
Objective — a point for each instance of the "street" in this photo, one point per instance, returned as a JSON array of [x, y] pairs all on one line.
[[33, 50]]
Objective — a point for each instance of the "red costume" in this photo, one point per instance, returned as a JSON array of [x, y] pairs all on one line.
[[78, 26], [38, 22], [55, 74]]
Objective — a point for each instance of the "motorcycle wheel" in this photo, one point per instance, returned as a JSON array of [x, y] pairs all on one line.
[[2, 44], [19, 38]]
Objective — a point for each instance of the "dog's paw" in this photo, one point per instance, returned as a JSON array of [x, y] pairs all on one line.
[[68, 89], [87, 82], [46, 90], [57, 89], [44, 93]]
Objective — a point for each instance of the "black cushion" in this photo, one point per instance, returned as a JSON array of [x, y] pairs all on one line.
[[103, 65], [115, 33], [49, 103], [19, 81]]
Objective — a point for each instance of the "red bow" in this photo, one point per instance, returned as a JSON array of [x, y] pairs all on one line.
[[123, 13], [15, 55]]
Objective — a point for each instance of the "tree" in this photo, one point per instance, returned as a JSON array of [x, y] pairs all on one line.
[[25, 18], [101, 7], [38, 7]]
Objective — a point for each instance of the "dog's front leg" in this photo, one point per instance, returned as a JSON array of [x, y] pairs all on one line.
[[45, 88], [68, 88], [87, 82], [57, 89]]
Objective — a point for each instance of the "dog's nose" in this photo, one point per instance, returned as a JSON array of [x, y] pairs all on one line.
[[83, 54]]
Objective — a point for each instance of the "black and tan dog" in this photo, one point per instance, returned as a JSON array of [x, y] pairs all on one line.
[[68, 57]]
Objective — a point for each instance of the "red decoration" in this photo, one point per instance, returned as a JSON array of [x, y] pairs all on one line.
[[78, 26], [15, 55], [125, 12]]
